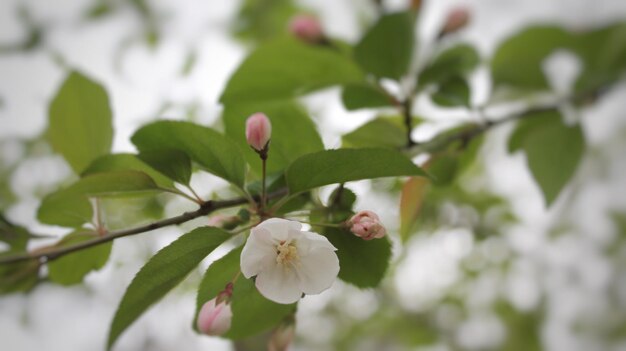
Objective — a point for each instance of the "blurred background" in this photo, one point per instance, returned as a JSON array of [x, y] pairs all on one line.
[[489, 268]]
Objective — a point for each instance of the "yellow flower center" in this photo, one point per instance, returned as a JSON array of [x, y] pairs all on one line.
[[286, 253]]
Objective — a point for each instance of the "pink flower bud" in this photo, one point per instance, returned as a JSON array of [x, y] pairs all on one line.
[[366, 225], [258, 131], [457, 19], [282, 337], [214, 318], [306, 28]]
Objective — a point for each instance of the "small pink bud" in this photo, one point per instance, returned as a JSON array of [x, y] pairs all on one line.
[[457, 19], [366, 225], [306, 28], [214, 318], [258, 131], [282, 337]]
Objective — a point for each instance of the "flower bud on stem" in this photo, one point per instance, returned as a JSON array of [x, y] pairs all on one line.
[[457, 19], [215, 315], [258, 135], [366, 225]]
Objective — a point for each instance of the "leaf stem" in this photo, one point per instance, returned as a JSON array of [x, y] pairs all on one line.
[[180, 193], [194, 194]]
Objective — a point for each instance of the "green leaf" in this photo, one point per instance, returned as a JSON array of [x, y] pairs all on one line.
[[339, 166], [452, 93], [553, 151], [175, 164], [286, 68], [72, 268], [15, 236], [517, 62], [252, 313], [293, 132], [458, 60], [70, 207], [443, 169], [411, 200], [210, 149], [126, 162], [80, 123], [357, 96], [162, 273], [603, 51], [523, 328], [362, 263], [18, 276], [526, 126], [262, 20], [387, 48], [380, 132]]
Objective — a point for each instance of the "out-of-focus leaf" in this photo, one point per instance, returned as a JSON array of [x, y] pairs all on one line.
[[380, 132], [99, 9], [80, 123], [517, 61], [456, 61], [452, 93], [443, 168], [387, 48], [603, 51], [523, 329], [357, 96], [70, 207], [293, 132], [175, 164], [341, 198], [286, 68], [553, 151], [344, 165], [411, 200], [128, 211], [252, 313], [263, 19], [162, 273], [72, 268], [211, 150], [15, 236], [126, 162], [18, 276], [526, 126], [362, 263], [190, 63]]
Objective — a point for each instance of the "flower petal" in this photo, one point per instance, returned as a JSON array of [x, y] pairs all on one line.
[[280, 227], [318, 270], [310, 241], [258, 252], [279, 284]]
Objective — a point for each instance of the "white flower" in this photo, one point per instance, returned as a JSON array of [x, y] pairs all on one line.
[[288, 261]]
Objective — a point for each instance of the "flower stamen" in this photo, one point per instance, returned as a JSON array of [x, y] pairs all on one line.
[[287, 254]]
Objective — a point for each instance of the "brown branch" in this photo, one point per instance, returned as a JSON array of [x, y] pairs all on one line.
[[205, 209]]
